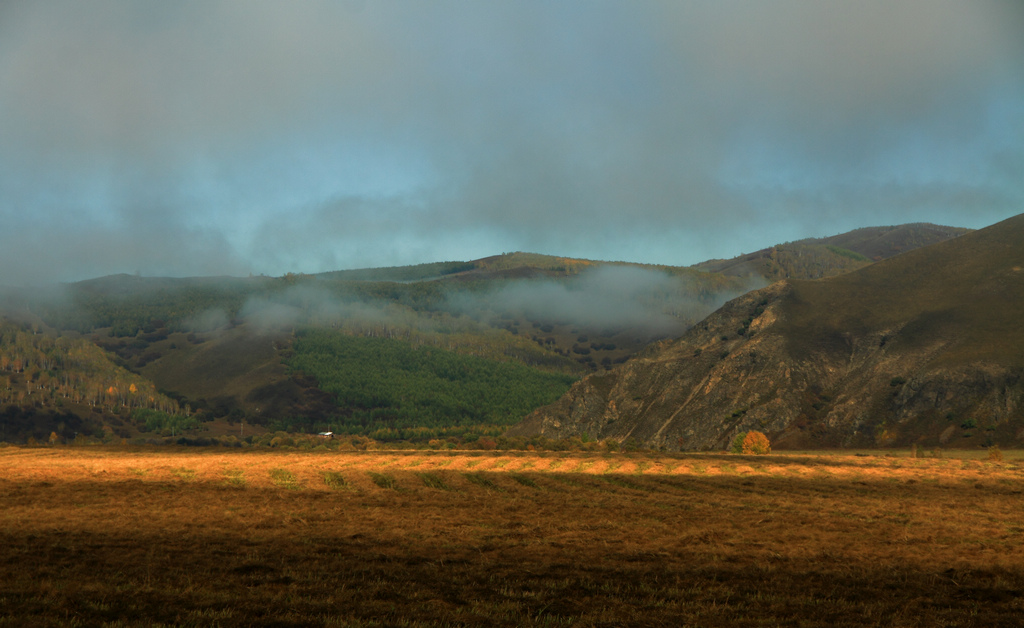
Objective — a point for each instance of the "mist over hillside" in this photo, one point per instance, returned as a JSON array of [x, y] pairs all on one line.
[[224, 348]]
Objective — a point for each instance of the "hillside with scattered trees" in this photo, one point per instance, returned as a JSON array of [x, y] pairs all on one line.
[[365, 351]]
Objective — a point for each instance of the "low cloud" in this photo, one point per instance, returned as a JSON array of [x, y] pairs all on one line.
[[306, 304], [207, 321], [608, 297], [648, 301], [228, 137]]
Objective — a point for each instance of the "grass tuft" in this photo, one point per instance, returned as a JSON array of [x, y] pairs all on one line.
[[383, 480], [433, 480], [283, 478], [184, 474], [234, 477], [523, 479], [482, 480], [335, 480]]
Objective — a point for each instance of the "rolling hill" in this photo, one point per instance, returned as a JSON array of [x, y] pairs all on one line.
[[923, 348], [226, 348]]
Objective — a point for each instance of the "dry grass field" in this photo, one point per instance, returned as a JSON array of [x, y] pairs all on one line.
[[94, 537]]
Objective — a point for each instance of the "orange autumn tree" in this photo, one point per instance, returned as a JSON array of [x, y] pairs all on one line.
[[752, 442]]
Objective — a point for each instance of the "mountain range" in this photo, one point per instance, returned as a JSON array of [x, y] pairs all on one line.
[[222, 350], [924, 348]]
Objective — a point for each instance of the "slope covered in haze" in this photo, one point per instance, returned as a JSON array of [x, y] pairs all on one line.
[[226, 346], [926, 347]]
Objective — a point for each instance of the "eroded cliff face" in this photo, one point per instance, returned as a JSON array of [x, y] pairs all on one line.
[[742, 368]]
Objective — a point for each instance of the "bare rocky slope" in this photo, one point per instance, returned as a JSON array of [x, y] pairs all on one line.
[[926, 347]]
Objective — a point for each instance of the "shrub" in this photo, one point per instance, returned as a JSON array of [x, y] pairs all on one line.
[[756, 443], [736, 446], [995, 454]]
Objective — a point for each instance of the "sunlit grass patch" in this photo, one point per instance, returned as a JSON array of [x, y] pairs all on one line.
[[582, 466], [384, 462], [283, 478], [335, 480], [184, 474], [234, 477]]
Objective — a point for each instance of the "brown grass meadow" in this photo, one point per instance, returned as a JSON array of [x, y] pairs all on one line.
[[92, 537]]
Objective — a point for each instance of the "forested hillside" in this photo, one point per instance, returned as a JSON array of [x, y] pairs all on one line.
[[390, 390], [72, 380], [233, 349]]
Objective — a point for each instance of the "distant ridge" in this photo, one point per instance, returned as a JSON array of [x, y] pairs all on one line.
[[814, 258]]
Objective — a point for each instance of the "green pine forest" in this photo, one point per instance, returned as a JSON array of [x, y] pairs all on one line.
[[392, 390]]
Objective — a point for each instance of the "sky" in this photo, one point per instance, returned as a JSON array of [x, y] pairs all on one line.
[[228, 137]]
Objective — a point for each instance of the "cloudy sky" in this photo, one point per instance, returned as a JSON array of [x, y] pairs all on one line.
[[229, 137]]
